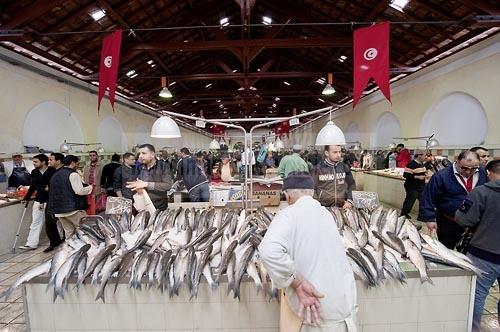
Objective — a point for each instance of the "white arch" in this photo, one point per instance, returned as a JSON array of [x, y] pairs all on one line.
[[48, 124], [110, 134], [352, 133], [386, 127], [458, 118]]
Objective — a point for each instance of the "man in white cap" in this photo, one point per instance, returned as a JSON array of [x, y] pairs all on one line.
[[304, 255], [17, 171], [292, 163]]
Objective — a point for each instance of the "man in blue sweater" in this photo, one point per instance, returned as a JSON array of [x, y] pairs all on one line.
[[481, 210], [445, 193]]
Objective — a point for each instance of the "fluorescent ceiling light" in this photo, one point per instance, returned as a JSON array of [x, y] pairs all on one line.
[[274, 105], [208, 85], [224, 21], [253, 88], [173, 82], [173, 104], [321, 80], [235, 70], [130, 73], [258, 69], [286, 83], [328, 90], [277, 99], [399, 4], [150, 62], [195, 101], [321, 100], [218, 100], [342, 58], [267, 20], [98, 14]]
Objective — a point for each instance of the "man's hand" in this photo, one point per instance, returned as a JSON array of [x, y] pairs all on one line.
[[347, 205], [137, 185], [309, 300], [432, 225]]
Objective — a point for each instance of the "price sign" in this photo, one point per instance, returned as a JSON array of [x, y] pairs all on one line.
[[200, 123], [294, 121]]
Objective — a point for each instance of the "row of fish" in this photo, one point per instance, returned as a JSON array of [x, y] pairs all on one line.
[[169, 250], [377, 241], [177, 248]]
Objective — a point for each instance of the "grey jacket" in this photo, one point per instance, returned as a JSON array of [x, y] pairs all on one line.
[[481, 209]]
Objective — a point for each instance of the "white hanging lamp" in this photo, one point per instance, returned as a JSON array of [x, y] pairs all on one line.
[[330, 134], [165, 127], [214, 145], [329, 89], [432, 143], [279, 144], [165, 92]]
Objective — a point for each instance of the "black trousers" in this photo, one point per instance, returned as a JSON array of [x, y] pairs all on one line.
[[51, 229], [411, 196], [448, 231]]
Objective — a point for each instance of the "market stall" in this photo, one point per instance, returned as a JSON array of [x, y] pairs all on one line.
[[10, 217], [389, 307]]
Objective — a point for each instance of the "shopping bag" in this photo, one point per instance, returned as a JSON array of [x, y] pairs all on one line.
[[100, 204], [91, 204]]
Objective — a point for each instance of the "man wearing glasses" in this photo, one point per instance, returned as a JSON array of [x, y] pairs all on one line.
[[445, 193]]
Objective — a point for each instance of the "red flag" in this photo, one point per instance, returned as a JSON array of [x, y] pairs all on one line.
[[282, 128], [108, 71], [218, 130], [371, 59]]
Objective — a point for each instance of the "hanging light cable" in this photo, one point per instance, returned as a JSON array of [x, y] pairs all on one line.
[[329, 90], [165, 92]]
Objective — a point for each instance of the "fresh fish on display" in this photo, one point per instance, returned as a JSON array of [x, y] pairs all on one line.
[[177, 248]]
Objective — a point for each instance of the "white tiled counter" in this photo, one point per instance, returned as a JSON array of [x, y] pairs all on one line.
[[10, 216], [149, 310], [443, 307]]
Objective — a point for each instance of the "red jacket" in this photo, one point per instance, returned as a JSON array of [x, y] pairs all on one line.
[[403, 158]]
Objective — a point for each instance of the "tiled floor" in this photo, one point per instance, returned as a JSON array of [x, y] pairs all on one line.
[[12, 314]]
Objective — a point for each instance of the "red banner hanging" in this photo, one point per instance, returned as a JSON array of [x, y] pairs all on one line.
[[108, 70], [218, 130], [282, 128], [371, 59]]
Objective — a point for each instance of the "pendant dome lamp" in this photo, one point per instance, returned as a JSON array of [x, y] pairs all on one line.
[[165, 92], [278, 144], [214, 145], [329, 89], [165, 127], [330, 134]]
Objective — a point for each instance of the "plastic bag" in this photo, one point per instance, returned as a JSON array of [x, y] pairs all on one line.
[[100, 204]]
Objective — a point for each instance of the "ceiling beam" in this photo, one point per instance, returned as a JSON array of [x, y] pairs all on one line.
[[229, 44], [378, 9], [37, 9], [483, 5], [234, 76]]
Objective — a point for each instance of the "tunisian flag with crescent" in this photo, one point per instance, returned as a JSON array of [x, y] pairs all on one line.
[[108, 70], [371, 59]]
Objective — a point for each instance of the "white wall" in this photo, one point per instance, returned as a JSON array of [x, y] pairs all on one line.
[[41, 111]]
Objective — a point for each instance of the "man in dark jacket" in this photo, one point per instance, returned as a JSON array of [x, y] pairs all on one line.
[[107, 176], [193, 176], [333, 180], [67, 195], [154, 177], [123, 174], [481, 210], [445, 193], [55, 163], [40, 177], [414, 175]]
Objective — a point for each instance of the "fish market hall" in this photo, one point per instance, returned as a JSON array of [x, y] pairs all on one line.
[[249, 165]]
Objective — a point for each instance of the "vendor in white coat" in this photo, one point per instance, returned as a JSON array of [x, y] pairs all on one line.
[[17, 171], [304, 255]]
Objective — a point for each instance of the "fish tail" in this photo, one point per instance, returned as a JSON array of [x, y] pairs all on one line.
[[100, 295], [426, 279]]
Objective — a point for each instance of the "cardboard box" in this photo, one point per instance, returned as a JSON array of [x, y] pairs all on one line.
[[268, 195]]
